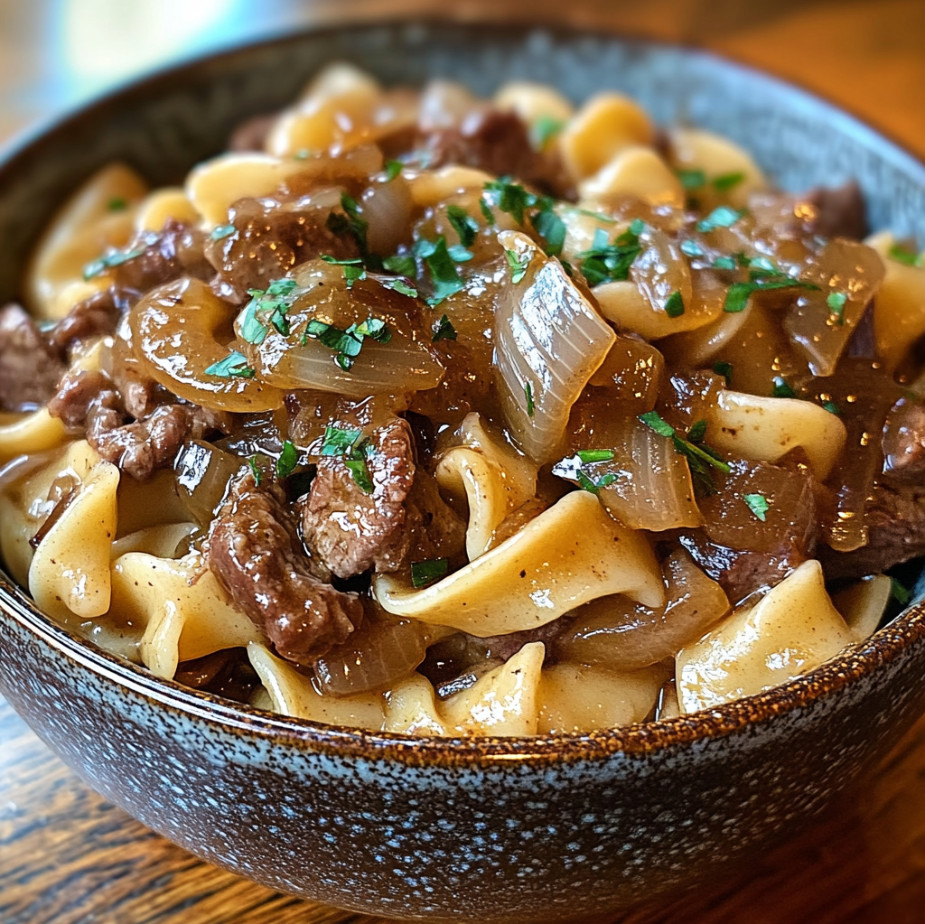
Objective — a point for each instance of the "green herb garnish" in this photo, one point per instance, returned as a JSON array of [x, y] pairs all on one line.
[[345, 442], [256, 471], [691, 178], [528, 394], [441, 265], [518, 264], [832, 408], [899, 592], [758, 504], [836, 302], [116, 258], [906, 255], [427, 571], [595, 455], [606, 262], [463, 224], [724, 369], [700, 458], [234, 365], [443, 330], [348, 343], [782, 389], [674, 306], [721, 217], [691, 248], [392, 169], [287, 461], [572, 469], [726, 181], [544, 129], [116, 204], [268, 307], [220, 232]]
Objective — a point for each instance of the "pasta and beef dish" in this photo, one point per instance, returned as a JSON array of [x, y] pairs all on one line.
[[423, 413]]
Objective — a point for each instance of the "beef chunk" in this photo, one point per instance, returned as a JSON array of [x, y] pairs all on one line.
[[352, 531], [895, 520], [251, 135], [254, 553], [904, 443], [96, 316], [162, 256], [839, 211], [494, 141], [30, 368], [90, 400], [270, 237]]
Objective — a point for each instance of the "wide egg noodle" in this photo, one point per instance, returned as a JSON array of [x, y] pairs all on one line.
[[291, 693], [180, 608], [503, 701], [30, 433], [99, 216], [70, 567], [791, 630], [569, 554], [493, 479]]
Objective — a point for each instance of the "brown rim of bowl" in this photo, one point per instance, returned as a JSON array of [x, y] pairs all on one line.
[[632, 741]]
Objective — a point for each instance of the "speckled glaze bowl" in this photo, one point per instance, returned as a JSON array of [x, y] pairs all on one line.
[[496, 829]]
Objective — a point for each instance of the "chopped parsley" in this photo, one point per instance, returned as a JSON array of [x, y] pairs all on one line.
[[782, 389], [836, 302], [234, 365], [353, 268], [899, 592], [116, 258], [726, 181], [724, 369], [518, 264], [725, 263], [427, 571], [516, 200], [463, 224], [606, 262], [392, 169], [350, 222], [758, 504], [440, 261], [674, 306], [572, 468], [397, 284], [700, 458], [117, 204], [346, 442], [906, 255], [832, 408], [544, 129], [287, 461], [763, 277], [443, 330], [691, 248], [348, 343], [528, 394], [268, 308], [256, 471], [402, 264], [721, 217], [691, 178], [220, 232]]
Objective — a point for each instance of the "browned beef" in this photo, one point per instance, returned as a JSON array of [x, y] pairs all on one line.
[[353, 531], [163, 256], [270, 237], [895, 520], [839, 211], [350, 530], [30, 368], [903, 443], [254, 553], [93, 317], [252, 134], [90, 401], [494, 141]]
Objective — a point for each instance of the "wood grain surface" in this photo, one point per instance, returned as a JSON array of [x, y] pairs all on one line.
[[68, 857]]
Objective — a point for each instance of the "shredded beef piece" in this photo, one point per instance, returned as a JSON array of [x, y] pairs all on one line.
[[95, 316], [352, 531], [494, 141], [254, 553], [251, 134], [903, 443], [895, 520], [840, 211], [139, 447], [270, 237], [30, 368], [504, 647], [175, 251]]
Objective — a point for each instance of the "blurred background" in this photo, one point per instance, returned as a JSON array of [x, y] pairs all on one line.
[[867, 55]]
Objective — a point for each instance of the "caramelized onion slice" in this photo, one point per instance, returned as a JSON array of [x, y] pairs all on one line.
[[549, 341], [181, 329], [616, 633]]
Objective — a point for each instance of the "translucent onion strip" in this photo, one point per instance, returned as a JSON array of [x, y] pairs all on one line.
[[569, 554], [549, 342]]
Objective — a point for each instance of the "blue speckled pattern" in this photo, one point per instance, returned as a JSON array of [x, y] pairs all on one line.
[[497, 830]]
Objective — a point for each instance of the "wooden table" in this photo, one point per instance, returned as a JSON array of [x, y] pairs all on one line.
[[67, 857]]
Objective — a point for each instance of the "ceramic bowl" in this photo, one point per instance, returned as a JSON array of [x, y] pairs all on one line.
[[493, 829]]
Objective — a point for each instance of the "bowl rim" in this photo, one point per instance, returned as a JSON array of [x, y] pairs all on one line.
[[634, 742]]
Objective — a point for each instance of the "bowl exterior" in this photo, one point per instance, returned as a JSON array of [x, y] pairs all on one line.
[[486, 830]]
